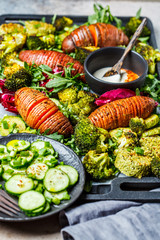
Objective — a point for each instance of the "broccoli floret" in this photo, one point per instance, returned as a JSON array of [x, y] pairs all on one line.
[[11, 42], [61, 23], [10, 70], [68, 95], [34, 42], [11, 28], [81, 53], [48, 40], [155, 167], [79, 104], [86, 135], [98, 165], [123, 137], [137, 125], [38, 28], [150, 54], [133, 24], [10, 59], [131, 163], [19, 79]]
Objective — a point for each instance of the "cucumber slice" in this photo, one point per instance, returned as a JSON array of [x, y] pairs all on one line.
[[37, 170], [22, 159], [3, 152], [18, 184], [63, 195], [55, 180], [46, 208], [31, 200], [8, 169], [11, 124], [71, 172], [1, 170], [49, 160], [18, 145], [6, 176], [42, 146]]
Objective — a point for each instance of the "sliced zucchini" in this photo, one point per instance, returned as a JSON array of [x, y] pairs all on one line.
[[37, 170], [56, 180], [63, 195], [71, 172], [11, 124], [18, 184], [22, 159], [31, 200], [43, 147], [18, 145]]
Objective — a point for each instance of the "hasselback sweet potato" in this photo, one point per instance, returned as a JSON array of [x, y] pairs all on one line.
[[40, 112], [118, 113], [98, 34], [52, 59]]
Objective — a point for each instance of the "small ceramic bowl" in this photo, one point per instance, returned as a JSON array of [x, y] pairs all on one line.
[[107, 57]]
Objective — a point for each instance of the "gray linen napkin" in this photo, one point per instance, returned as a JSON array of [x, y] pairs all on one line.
[[112, 220]]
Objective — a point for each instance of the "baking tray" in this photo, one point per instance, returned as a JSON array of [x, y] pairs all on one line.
[[121, 187]]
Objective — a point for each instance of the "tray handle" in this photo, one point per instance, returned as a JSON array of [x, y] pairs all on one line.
[[129, 189]]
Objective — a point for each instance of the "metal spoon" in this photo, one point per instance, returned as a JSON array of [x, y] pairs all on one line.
[[117, 67]]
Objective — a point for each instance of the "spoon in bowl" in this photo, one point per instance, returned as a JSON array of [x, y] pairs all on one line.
[[117, 67]]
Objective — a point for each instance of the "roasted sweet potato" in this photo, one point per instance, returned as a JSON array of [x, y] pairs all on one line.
[[39, 112], [98, 35], [52, 59], [118, 113]]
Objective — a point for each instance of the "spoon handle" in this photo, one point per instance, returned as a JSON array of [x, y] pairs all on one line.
[[118, 65]]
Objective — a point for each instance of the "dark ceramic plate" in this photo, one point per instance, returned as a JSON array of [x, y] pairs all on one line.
[[68, 157]]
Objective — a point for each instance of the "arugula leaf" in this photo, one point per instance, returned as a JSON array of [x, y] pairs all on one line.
[[103, 15], [138, 13]]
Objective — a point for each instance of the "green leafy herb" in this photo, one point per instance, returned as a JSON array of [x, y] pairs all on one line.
[[103, 15], [139, 150], [43, 19], [138, 14]]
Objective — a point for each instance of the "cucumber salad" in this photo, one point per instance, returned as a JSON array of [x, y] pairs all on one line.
[[32, 173]]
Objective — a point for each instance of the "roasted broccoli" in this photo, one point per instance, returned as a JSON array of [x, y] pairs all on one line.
[[18, 79], [38, 28], [133, 162], [11, 58], [34, 42], [61, 23], [98, 165], [11, 28], [133, 24], [79, 104], [150, 54], [151, 147], [137, 125], [68, 95], [48, 40], [88, 137], [11, 42], [81, 53], [123, 137]]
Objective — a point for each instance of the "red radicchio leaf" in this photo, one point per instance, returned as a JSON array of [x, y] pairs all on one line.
[[114, 95], [7, 98]]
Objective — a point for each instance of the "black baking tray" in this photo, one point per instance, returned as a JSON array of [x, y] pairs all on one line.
[[121, 187]]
